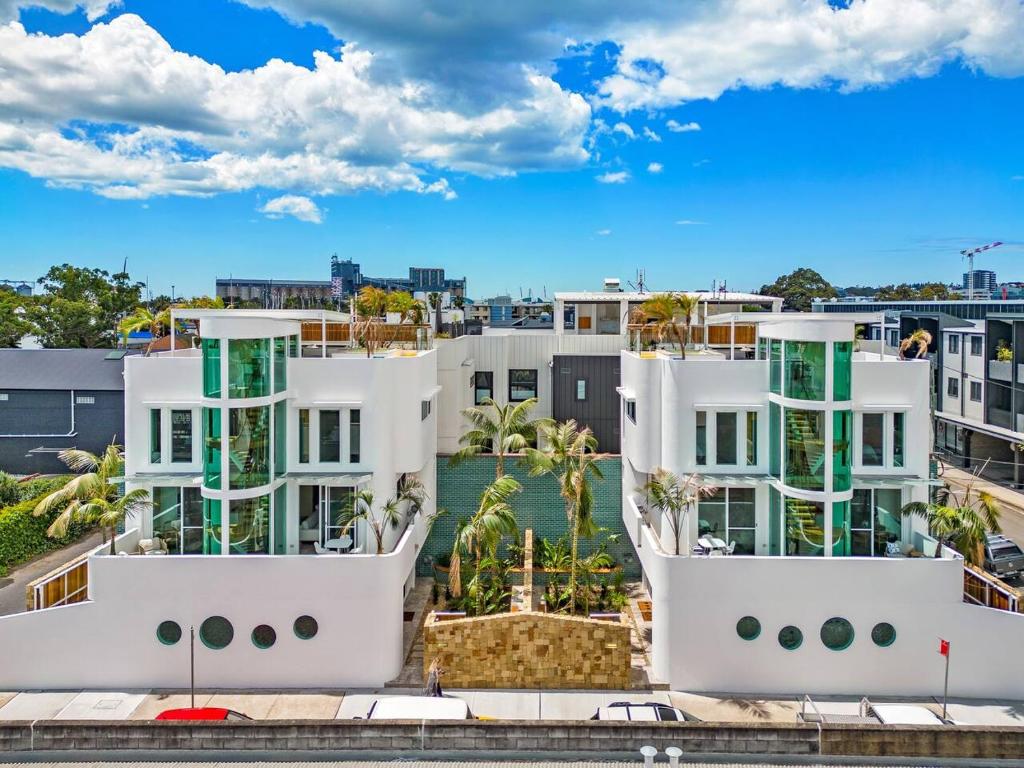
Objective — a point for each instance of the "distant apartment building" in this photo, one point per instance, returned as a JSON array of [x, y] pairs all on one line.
[[350, 279], [274, 294], [982, 281]]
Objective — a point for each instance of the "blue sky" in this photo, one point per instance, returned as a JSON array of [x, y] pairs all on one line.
[[869, 171]]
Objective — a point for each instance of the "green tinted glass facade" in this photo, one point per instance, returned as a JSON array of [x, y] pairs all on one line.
[[249, 526], [775, 366], [805, 449], [167, 515], [281, 520], [249, 447], [842, 369], [842, 431], [774, 444], [248, 368], [211, 526], [805, 527], [211, 448], [280, 437], [805, 370], [211, 368], [840, 528], [293, 346], [280, 364]]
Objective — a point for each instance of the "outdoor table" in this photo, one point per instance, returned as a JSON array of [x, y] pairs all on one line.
[[341, 543]]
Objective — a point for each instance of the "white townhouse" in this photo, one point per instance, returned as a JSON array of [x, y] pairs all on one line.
[[812, 450]]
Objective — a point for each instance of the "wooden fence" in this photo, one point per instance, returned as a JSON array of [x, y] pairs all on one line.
[[340, 332], [983, 588], [717, 335], [65, 585]]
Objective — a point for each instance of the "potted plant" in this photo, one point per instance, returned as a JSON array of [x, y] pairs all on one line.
[[1000, 367]]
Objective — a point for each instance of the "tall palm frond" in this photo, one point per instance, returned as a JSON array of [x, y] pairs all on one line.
[[498, 429]]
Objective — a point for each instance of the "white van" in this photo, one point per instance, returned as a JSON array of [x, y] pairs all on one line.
[[419, 708]]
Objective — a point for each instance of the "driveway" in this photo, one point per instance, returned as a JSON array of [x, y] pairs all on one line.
[[12, 586]]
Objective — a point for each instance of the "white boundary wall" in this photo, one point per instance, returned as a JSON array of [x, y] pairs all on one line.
[[110, 642]]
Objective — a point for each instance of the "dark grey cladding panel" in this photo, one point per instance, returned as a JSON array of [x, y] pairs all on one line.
[[599, 408]]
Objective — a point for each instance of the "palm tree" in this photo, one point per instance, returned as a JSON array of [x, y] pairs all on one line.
[[388, 516], [92, 496], [142, 319], [570, 455], [481, 534], [459, 302], [687, 305], [917, 342], [675, 497], [498, 429], [662, 312], [412, 490], [962, 518], [435, 304]]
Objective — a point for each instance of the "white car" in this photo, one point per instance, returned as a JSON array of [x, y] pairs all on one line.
[[646, 713], [419, 708]]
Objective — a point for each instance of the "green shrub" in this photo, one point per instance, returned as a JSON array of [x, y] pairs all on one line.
[[10, 490], [23, 535]]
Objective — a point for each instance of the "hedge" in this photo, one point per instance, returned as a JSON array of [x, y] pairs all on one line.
[[23, 535]]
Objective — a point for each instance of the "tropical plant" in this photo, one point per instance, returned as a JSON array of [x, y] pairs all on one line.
[[435, 304], [661, 313], [481, 534], [1004, 352], [389, 515], [94, 495], [143, 319], [571, 456], [372, 301], [412, 490], [10, 490], [675, 498], [961, 518], [500, 430], [917, 343], [686, 305]]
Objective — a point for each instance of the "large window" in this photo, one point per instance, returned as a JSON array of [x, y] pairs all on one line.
[[522, 384], [729, 515], [280, 437], [248, 368], [875, 520], [178, 519], [155, 438], [354, 424], [953, 386], [330, 436], [804, 527], [775, 365], [872, 442], [483, 386], [181, 436], [842, 369], [805, 370], [805, 449], [775, 440], [976, 391], [280, 364], [725, 437], [977, 343], [249, 447], [249, 526], [751, 438], [898, 420], [304, 436], [211, 448], [702, 437], [953, 344], [211, 367], [842, 450]]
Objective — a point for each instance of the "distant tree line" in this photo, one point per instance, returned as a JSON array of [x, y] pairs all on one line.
[[801, 287]]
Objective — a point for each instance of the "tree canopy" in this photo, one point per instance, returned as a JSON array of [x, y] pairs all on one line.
[[799, 288]]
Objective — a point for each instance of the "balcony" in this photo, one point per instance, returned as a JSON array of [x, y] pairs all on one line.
[[999, 370]]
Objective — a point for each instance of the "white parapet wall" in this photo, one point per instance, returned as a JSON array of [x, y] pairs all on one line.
[[697, 602], [111, 641]]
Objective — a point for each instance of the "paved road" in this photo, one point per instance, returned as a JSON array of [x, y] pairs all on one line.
[[12, 587]]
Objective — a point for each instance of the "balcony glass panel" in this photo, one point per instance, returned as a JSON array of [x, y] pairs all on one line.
[[249, 526], [211, 367], [211, 448], [248, 368], [841, 529], [805, 449], [249, 447], [211, 526], [775, 365], [805, 370], [280, 437], [842, 431], [774, 440], [280, 364], [805, 527], [842, 369]]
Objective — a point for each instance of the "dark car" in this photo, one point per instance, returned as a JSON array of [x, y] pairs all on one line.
[[1002, 557], [202, 713]]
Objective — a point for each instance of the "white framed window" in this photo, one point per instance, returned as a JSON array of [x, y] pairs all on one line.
[[880, 440], [953, 344], [977, 345], [329, 435], [631, 410], [953, 386], [976, 391], [726, 437]]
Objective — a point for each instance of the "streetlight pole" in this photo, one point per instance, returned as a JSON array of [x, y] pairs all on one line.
[[192, 664]]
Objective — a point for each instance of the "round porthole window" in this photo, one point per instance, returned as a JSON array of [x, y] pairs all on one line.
[[168, 632], [748, 628], [306, 627], [837, 634], [264, 636], [883, 634], [216, 632], [791, 638]]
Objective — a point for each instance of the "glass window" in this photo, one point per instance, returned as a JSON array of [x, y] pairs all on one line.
[[248, 367], [748, 628], [791, 637], [211, 367], [216, 633], [976, 391], [861, 516], [840, 528], [953, 386], [837, 634], [330, 436], [725, 437], [294, 348], [774, 440], [281, 520], [191, 521], [211, 526], [842, 369], [483, 386], [883, 634], [249, 447], [751, 438], [522, 384], [631, 410], [354, 424], [805, 370], [954, 344], [805, 527], [842, 431], [581, 389], [154, 436], [181, 436], [424, 409], [774, 522], [303, 436], [888, 520], [280, 364], [805, 449], [249, 526], [898, 419], [976, 345], [762, 349], [702, 437], [167, 516], [775, 366], [742, 520], [280, 437], [211, 448], [711, 513], [872, 439]]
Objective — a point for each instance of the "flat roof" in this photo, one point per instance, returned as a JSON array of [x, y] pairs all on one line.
[[717, 296], [799, 317], [265, 314], [61, 369]]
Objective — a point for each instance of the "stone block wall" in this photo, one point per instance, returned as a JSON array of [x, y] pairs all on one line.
[[529, 650]]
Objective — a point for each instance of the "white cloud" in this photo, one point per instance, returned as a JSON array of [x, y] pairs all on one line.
[[625, 129], [651, 135], [94, 9], [689, 222], [655, 167], [616, 177], [677, 127], [604, 232], [302, 208], [700, 163]]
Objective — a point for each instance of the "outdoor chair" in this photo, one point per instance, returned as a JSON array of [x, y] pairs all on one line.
[[321, 550], [731, 548]]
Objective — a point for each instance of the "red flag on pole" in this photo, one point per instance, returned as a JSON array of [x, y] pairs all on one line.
[[944, 648]]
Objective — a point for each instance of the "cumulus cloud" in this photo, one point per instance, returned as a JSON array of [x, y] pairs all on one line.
[[651, 135], [614, 177], [655, 167], [302, 208], [93, 9], [625, 130], [677, 127]]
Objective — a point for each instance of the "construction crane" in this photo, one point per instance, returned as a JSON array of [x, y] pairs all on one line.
[[969, 254]]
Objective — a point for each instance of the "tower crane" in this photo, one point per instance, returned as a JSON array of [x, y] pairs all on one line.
[[969, 254]]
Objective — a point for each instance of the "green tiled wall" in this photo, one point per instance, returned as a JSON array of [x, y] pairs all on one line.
[[538, 506]]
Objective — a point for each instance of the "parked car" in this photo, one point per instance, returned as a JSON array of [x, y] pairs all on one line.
[[202, 713], [419, 708], [1002, 557], [649, 712]]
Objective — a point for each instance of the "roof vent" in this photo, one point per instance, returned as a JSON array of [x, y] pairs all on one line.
[[612, 285]]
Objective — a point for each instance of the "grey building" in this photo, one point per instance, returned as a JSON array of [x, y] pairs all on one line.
[[584, 388], [984, 281], [52, 399]]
